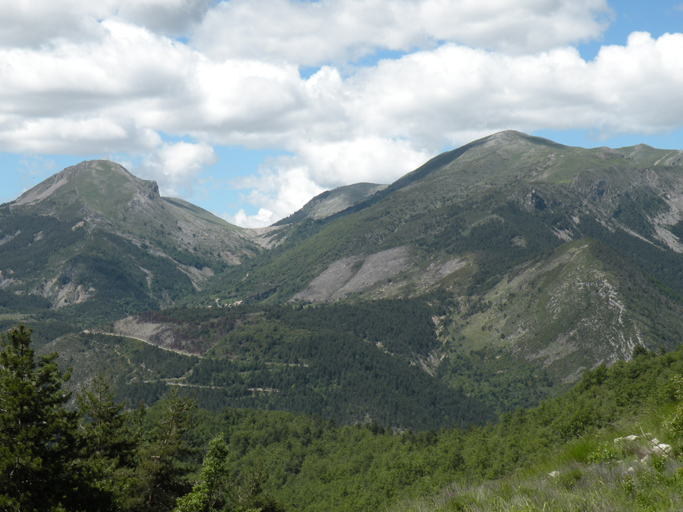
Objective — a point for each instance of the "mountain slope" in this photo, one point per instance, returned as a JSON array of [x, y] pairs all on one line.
[[557, 257], [581, 306], [530, 336], [543, 193], [96, 235], [332, 202]]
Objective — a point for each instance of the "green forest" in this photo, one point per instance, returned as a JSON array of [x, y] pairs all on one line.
[[86, 451], [333, 360]]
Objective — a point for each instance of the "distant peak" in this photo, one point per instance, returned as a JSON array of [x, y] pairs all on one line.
[[507, 135], [102, 174], [515, 137], [97, 167]]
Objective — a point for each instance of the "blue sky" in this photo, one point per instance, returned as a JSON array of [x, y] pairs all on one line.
[[249, 109]]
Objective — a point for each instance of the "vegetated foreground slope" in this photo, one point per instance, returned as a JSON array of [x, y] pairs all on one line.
[[309, 464], [614, 440]]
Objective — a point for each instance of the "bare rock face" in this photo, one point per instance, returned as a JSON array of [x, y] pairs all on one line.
[[355, 274], [158, 334], [151, 191]]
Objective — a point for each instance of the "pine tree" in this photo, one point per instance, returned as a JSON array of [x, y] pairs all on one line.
[[107, 445], [37, 433], [165, 458]]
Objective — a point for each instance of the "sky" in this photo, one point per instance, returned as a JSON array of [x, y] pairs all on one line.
[[250, 108]]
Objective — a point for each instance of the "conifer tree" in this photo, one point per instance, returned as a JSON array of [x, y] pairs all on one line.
[[107, 445], [164, 457], [37, 433]]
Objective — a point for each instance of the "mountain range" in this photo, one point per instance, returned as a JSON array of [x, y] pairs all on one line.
[[490, 277]]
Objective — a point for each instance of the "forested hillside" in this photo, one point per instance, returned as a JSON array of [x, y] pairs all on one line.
[[157, 459], [324, 362]]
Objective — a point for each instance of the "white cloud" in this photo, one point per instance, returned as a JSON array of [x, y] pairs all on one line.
[[365, 159], [91, 98], [81, 136], [328, 31], [277, 191], [639, 84], [246, 96], [169, 17], [176, 166], [128, 63], [264, 217], [439, 97], [36, 23]]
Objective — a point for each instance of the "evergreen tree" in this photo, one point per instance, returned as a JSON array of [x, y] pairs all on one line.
[[37, 433], [165, 458], [107, 445]]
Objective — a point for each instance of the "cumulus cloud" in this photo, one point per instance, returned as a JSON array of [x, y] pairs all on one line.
[[56, 135], [169, 17], [365, 159], [177, 166], [263, 218], [35, 23], [336, 31], [246, 97], [442, 95], [277, 190], [69, 78], [636, 84]]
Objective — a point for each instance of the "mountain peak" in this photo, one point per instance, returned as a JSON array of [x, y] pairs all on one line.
[[333, 201], [93, 180], [513, 137], [506, 136]]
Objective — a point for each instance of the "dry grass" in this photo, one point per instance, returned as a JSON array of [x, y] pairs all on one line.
[[621, 486]]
